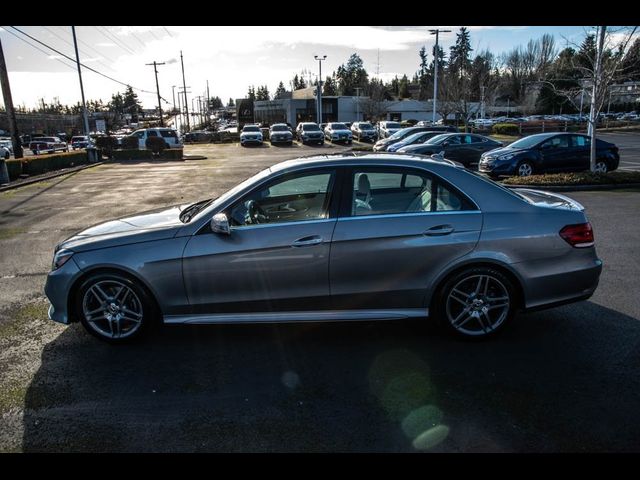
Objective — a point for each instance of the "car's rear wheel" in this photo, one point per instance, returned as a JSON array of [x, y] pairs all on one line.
[[601, 166], [525, 169], [476, 302], [113, 308]]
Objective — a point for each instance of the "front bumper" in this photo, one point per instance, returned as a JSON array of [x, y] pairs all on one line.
[[57, 289]]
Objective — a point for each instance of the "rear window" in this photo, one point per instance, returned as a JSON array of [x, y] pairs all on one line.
[[169, 133], [311, 127], [393, 125], [250, 129], [279, 128]]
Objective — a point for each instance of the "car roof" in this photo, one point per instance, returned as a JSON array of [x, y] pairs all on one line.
[[369, 159]]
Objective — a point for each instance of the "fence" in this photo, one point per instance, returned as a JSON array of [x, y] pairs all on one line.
[[542, 126]]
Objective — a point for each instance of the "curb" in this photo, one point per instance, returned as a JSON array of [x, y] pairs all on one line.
[[576, 188], [31, 181]]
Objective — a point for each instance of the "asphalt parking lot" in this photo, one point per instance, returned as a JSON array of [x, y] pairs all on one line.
[[558, 380]]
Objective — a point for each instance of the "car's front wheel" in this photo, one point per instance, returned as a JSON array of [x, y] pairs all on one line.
[[525, 169], [476, 302], [113, 308]]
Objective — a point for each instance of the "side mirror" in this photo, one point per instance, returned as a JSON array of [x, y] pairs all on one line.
[[446, 143], [220, 224]]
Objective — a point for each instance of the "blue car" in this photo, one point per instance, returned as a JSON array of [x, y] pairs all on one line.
[[549, 153]]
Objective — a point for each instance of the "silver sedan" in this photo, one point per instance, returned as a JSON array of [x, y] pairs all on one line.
[[329, 238]]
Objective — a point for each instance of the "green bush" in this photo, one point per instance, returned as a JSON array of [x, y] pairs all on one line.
[[130, 143], [505, 129], [15, 168], [45, 163], [156, 144], [106, 145]]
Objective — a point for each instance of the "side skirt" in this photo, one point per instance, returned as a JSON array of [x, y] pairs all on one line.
[[292, 317]]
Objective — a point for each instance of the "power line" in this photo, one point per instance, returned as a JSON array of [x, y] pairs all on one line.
[[154, 35], [138, 39], [39, 49], [85, 66], [166, 30], [112, 38], [71, 45], [96, 52]]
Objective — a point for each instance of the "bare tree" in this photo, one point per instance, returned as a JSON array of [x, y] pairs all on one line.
[[599, 69]]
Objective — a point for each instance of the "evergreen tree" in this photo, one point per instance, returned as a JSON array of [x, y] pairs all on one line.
[[130, 101], [459, 56], [330, 87], [403, 87], [251, 93], [352, 75], [280, 91], [231, 103]]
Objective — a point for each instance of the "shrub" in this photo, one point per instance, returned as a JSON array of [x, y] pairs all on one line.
[[506, 129], [106, 145], [156, 144], [130, 143]]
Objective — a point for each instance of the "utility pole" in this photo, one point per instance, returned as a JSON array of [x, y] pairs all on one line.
[[597, 78], [208, 104], [482, 101], [173, 90], [320, 59], [184, 104], [184, 85], [8, 105], [84, 107], [436, 52], [581, 102], [155, 69]]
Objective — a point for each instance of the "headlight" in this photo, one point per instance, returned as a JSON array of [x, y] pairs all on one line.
[[508, 156], [60, 258]]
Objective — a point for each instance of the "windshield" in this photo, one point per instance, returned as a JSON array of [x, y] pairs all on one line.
[[250, 129], [415, 137], [366, 126], [438, 139], [393, 125], [527, 142], [279, 128], [311, 127], [339, 126]]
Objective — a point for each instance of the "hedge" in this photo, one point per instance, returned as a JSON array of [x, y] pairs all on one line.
[[576, 178], [45, 163], [15, 168], [506, 129], [135, 154]]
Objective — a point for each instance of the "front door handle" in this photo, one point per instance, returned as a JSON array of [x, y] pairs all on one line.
[[439, 230], [306, 241]]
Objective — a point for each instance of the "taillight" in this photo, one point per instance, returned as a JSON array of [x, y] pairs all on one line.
[[579, 236]]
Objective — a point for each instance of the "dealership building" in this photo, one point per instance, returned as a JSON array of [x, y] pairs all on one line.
[[302, 107]]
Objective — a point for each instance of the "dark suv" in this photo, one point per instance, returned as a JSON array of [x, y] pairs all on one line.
[[308, 132]]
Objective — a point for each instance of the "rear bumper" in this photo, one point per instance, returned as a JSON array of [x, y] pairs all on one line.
[[556, 288]]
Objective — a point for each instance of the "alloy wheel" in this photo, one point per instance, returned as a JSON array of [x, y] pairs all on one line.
[[601, 167], [477, 305], [112, 309], [524, 170]]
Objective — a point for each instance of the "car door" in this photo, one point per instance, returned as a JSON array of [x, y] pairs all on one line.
[[398, 227], [582, 151], [558, 155], [453, 149], [276, 256]]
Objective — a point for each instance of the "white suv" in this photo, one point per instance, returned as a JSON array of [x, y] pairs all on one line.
[[170, 136]]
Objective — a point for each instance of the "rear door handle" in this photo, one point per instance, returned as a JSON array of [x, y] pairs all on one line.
[[439, 230], [306, 241]]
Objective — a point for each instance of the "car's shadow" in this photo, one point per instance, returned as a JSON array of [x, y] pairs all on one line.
[[561, 380]]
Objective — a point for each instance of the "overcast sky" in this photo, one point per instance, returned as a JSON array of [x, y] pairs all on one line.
[[230, 58]]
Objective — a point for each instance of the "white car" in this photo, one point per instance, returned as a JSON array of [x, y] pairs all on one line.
[[386, 128], [6, 148], [251, 134], [338, 132]]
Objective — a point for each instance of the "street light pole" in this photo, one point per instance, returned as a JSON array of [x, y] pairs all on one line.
[[85, 118], [173, 89], [184, 85], [358, 103], [436, 32], [320, 59]]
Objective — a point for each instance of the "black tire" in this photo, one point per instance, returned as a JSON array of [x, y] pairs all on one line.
[[7, 155], [443, 308], [148, 306]]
